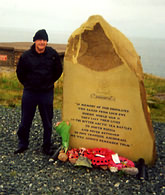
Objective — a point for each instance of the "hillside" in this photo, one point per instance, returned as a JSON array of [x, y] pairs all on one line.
[[26, 45]]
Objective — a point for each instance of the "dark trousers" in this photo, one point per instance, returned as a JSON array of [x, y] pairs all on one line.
[[30, 101]]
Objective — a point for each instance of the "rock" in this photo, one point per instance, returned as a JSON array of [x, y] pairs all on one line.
[[130, 170], [103, 92], [117, 185]]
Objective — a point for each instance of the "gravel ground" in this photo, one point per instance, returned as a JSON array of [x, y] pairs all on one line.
[[32, 173]]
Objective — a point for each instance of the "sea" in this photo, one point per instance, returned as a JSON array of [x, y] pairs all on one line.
[[151, 50], [152, 53]]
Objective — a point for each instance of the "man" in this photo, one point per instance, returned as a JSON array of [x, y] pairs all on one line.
[[37, 70]]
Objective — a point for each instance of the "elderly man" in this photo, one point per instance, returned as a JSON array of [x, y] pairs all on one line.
[[37, 70]]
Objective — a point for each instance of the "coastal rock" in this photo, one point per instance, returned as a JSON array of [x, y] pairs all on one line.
[[103, 92]]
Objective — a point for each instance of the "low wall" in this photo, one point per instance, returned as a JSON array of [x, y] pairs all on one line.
[[7, 56]]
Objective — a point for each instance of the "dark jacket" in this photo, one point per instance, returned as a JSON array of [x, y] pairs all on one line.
[[38, 72]]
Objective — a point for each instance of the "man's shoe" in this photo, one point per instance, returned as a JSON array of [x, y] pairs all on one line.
[[20, 150]]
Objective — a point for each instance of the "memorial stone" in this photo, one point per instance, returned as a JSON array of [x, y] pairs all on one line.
[[103, 93]]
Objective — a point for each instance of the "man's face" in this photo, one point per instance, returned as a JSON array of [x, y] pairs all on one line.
[[40, 45]]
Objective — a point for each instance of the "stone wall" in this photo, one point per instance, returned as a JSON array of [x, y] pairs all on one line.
[[6, 56], [17, 54]]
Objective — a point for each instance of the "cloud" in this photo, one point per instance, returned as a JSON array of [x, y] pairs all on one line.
[[130, 16]]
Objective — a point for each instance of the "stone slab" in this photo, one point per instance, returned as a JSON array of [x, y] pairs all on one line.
[[103, 93]]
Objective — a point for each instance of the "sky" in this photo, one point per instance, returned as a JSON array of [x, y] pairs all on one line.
[[134, 18]]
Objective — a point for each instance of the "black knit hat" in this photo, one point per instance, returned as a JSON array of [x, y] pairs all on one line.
[[40, 35]]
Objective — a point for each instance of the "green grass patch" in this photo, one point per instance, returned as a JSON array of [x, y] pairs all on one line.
[[154, 85], [11, 93], [9, 81], [155, 89]]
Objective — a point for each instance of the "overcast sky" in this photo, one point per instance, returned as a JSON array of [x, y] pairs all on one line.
[[135, 18]]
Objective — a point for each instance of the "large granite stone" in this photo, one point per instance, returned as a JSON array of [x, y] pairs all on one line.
[[104, 96]]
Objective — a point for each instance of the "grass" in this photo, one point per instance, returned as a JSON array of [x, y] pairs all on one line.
[[11, 92], [155, 88]]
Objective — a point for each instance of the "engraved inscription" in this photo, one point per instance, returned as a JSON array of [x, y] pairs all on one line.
[[102, 124]]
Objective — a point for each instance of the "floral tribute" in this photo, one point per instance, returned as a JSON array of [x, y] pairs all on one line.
[[97, 157], [101, 156]]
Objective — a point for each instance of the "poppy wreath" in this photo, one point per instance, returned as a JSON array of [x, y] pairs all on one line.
[[100, 156]]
